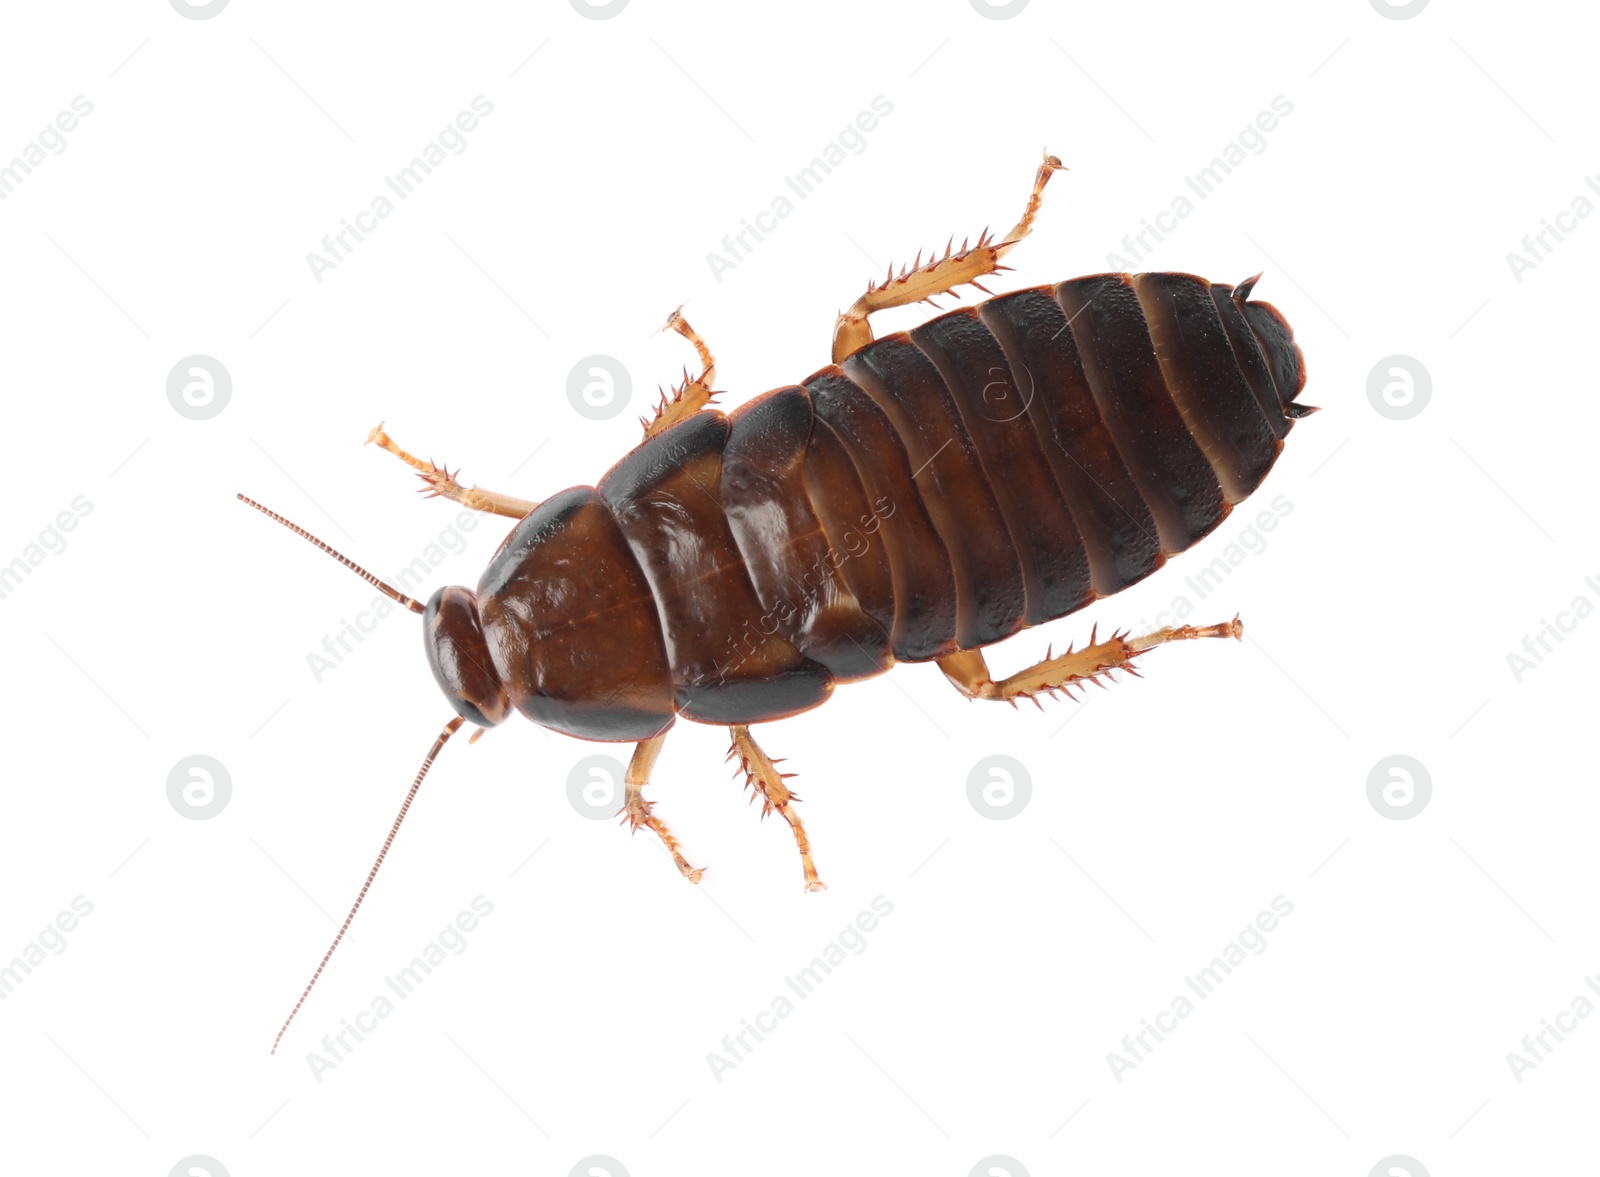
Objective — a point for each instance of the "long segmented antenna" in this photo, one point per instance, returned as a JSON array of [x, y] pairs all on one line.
[[450, 729], [392, 593]]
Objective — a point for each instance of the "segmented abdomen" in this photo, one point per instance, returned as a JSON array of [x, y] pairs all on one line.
[[1017, 459], [995, 468]]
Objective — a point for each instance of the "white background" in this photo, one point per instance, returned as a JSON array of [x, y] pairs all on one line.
[[1165, 813]]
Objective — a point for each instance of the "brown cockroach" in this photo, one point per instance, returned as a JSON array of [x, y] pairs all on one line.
[[924, 496]]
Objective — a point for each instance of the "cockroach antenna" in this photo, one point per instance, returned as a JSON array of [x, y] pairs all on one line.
[[450, 729], [392, 593]]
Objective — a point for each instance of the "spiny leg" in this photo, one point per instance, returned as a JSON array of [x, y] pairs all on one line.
[[692, 395], [762, 775], [941, 275], [636, 812], [441, 483], [970, 674]]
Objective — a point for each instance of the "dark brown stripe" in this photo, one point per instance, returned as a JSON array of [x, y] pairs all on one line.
[[786, 550], [1120, 362], [990, 594], [840, 500], [924, 586], [1205, 382], [993, 404], [1112, 518], [1248, 355], [1283, 354]]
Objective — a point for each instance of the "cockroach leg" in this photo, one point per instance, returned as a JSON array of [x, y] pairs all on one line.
[[441, 483], [970, 674], [941, 275], [968, 671], [762, 776], [676, 322], [637, 811], [692, 395]]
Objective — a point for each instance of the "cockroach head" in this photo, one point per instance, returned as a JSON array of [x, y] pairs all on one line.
[[459, 657]]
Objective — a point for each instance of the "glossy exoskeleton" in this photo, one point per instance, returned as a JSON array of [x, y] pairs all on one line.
[[922, 497]]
